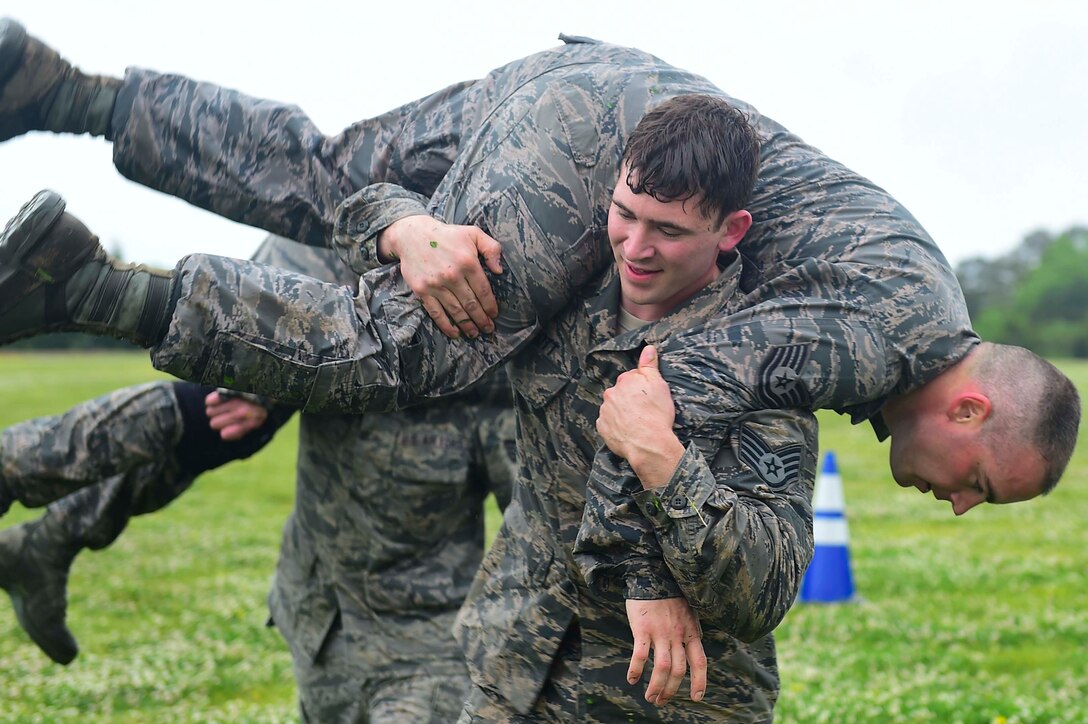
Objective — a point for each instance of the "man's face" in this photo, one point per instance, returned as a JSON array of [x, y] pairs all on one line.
[[957, 465], [665, 252]]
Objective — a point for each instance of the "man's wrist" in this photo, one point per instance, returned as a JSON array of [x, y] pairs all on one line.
[[655, 467], [386, 243]]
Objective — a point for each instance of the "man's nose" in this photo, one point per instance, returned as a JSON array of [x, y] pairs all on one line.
[[637, 245]]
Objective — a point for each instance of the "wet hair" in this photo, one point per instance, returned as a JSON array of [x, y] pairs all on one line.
[[1033, 401], [694, 146]]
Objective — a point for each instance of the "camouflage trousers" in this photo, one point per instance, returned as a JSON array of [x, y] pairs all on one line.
[[587, 683], [345, 684], [191, 139], [126, 453], [114, 444]]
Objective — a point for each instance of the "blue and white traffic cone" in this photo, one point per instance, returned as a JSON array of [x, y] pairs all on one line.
[[828, 579]]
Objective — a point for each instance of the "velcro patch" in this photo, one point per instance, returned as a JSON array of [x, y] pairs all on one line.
[[780, 384], [777, 468]]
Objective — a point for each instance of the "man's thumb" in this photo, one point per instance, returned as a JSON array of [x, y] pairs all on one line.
[[648, 358], [490, 250]]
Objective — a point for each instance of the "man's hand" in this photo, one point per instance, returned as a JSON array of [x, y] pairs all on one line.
[[636, 419], [669, 628], [233, 417], [441, 264]]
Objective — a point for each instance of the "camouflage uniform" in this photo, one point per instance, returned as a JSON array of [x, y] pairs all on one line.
[[114, 446], [530, 592], [385, 537], [379, 552], [539, 167], [536, 147]]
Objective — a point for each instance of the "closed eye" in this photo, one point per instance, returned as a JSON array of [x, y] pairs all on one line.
[[624, 212]]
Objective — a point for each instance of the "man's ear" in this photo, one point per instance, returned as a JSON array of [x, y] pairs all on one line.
[[970, 407], [734, 228]]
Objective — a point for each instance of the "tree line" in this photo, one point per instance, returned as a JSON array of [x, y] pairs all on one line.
[[1035, 296]]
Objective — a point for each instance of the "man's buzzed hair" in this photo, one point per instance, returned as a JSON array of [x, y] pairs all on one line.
[[694, 146], [1033, 401]]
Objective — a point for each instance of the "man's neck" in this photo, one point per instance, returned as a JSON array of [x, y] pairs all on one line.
[[931, 397], [628, 322]]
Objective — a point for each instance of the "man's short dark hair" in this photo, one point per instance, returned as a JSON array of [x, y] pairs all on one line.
[[1034, 402], [1058, 425], [694, 146]]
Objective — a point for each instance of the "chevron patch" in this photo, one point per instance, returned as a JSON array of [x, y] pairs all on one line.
[[780, 384], [777, 468]]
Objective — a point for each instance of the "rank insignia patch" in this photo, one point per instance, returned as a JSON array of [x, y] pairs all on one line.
[[780, 384], [777, 468]]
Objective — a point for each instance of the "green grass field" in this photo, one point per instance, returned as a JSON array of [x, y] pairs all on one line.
[[977, 619]]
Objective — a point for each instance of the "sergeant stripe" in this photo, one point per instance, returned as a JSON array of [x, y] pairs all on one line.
[[752, 448], [777, 468], [780, 382]]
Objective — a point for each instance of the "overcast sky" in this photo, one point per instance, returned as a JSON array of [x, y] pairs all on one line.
[[975, 117]]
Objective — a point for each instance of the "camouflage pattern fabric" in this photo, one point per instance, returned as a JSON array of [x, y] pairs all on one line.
[[347, 688], [383, 542], [119, 440], [104, 461], [757, 537], [539, 169], [392, 574], [131, 452], [807, 339], [536, 159], [181, 136], [381, 548], [113, 444]]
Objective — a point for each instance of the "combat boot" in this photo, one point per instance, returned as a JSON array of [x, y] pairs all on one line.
[[34, 562], [55, 277], [40, 91]]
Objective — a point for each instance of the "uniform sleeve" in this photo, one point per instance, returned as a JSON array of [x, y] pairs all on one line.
[[364, 215], [266, 164], [780, 348], [314, 346], [734, 522], [731, 531], [806, 340], [616, 548]]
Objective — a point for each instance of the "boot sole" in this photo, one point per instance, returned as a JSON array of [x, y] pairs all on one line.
[[22, 234], [12, 45]]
